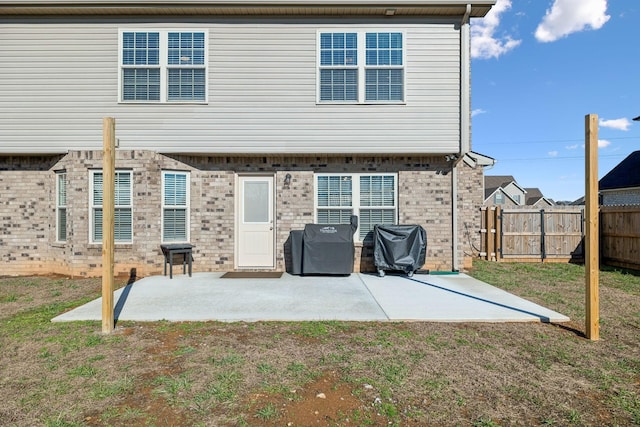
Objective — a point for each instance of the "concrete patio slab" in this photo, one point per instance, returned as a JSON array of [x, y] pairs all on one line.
[[453, 298], [357, 297]]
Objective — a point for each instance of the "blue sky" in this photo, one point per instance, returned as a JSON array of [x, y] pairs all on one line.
[[538, 68]]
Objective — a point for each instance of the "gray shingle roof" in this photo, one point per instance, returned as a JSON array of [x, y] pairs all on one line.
[[533, 195], [625, 175], [496, 181], [493, 182]]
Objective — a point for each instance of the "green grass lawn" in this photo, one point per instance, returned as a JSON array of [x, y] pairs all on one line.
[[325, 373]]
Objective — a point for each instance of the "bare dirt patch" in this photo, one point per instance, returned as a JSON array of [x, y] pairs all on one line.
[[324, 401]]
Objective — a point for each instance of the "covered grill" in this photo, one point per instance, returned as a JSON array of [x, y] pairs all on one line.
[[399, 247], [323, 248]]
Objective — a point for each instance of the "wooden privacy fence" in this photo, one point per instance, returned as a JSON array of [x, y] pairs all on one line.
[[523, 234], [620, 236]]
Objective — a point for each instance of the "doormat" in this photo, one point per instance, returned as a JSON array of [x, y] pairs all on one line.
[[252, 275]]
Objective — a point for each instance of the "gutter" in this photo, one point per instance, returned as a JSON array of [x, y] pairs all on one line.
[[244, 7]]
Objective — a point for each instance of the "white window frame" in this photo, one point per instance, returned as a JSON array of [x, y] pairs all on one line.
[[186, 207], [61, 206], [361, 65], [164, 65], [355, 197], [94, 206]]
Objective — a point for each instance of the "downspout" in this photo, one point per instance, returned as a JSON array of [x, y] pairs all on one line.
[[465, 124], [465, 83], [455, 262]]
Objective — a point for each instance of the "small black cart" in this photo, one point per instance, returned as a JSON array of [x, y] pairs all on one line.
[[183, 249]]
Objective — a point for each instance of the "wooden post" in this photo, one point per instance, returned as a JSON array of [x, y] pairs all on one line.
[[497, 227], [491, 232], [108, 213], [483, 232], [592, 266]]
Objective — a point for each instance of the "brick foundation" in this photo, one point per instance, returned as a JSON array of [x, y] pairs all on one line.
[[28, 241]]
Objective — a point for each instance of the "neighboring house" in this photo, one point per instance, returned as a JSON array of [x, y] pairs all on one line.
[[237, 122], [497, 196], [503, 190], [621, 186], [536, 198]]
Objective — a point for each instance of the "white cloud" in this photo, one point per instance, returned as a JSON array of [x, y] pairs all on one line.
[[620, 124], [477, 111], [572, 147], [553, 153], [485, 43], [570, 16], [603, 143]]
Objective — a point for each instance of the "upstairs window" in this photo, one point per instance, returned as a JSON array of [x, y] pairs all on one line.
[[361, 67], [339, 67], [384, 68], [163, 66]]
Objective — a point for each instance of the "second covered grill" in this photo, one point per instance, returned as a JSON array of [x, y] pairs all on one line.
[[399, 247]]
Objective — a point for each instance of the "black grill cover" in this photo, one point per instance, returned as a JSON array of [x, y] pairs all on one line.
[[328, 248], [399, 247], [293, 252]]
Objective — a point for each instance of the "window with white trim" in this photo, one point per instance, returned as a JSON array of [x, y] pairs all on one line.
[[163, 66], [372, 197], [175, 206], [123, 215], [61, 206], [499, 198], [361, 67]]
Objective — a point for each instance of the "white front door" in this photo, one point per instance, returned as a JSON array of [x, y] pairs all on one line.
[[255, 222]]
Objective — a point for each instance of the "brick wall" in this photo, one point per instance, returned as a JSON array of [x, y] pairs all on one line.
[[26, 209], [28, 245], [621, 197], [470, 198]]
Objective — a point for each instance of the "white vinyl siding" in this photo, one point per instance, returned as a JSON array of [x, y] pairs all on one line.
[[371, 197], [261, 90], [175, 206], [61, 206], [361, 67], [123, 215], [163, 66]]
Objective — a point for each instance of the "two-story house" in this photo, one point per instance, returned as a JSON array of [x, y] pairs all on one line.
[[237, 122], [503, 190]]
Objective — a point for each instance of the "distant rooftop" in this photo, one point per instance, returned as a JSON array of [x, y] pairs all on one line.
[[625, 175]]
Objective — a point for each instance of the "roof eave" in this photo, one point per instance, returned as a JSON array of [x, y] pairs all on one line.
[[255, 7], [619, 188]]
